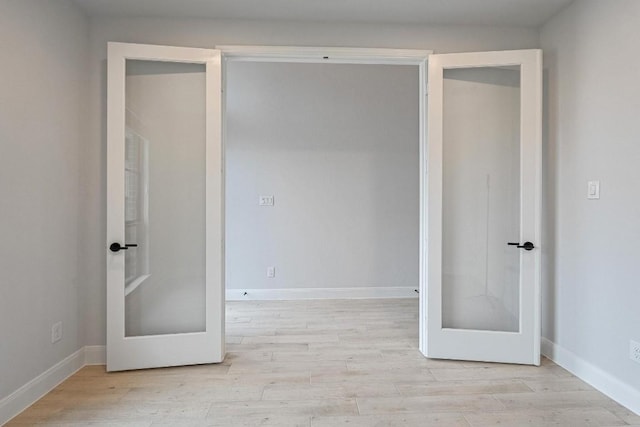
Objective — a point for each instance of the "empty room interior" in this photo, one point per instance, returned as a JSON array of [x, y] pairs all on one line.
[[280, 213]]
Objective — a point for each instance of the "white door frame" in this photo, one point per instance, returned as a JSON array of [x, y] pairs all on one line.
[[365, 56]]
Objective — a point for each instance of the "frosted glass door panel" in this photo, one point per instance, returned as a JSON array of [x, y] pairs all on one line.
[[481, 199], [165, 174]]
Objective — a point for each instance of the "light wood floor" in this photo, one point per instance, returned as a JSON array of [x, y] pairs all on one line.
[[327, 363]]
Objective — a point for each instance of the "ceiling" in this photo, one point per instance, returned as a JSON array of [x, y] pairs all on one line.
[[527, 13]]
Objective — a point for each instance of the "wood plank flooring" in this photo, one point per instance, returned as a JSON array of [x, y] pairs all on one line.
[[327, 363]]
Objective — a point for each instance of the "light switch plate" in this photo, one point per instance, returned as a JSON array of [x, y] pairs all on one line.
[[265, 201], [593, 190]]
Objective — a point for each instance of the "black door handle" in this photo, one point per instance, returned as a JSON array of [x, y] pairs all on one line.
[[117, 247], [528, 246]]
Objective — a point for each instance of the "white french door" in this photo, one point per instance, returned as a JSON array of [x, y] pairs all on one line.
[[484, 206], [165, 279]]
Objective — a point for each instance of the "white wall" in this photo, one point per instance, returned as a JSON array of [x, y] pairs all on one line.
[[592, 277], [208, 33], [337, 145], [44, 50]]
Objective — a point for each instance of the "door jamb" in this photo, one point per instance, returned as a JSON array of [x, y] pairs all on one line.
[[367, 56]]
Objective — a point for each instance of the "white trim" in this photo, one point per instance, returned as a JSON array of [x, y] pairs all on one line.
[[320, 293], [95, 355], [604, 382], [424, 212], [340, 55], [35, 389]]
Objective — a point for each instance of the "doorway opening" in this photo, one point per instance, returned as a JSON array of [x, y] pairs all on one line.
[[322, 179]]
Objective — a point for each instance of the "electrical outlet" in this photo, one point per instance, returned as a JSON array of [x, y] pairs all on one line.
[[634, 351], [56, 332], [271, 272]]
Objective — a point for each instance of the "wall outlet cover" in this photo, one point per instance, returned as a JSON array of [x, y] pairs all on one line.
[[56, 332], [634, 351], [271, 272]]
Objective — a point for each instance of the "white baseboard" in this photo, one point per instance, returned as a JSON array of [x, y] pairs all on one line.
[[319, 293], [95, 355], [604, 382], [29, 393]]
